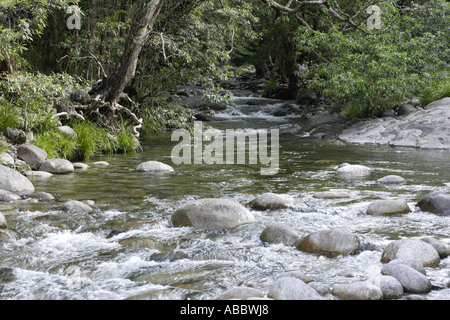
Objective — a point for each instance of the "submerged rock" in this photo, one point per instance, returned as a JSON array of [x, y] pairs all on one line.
[[7, 196], [57, 166], [74, 206], [331, 195], [212, 214], [154, 166], [289, 288], [280, 233], [392, 180], [347, 169], [388, 207], [13, 181], [272, 201], [407, 249], [357, 291], [333, 241], [3, 223], [435, 202]]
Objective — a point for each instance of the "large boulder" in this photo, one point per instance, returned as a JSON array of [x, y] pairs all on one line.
[[411, 280], [154, 166], [357, 291], [289, 288], [13, 181], [332, 241], [32, 155], [411, 249], [435, 202], [212, 214], [442, 247], [427, 128], [280, 233], [272, 201], [57, 166], [388, 207], [16, 135]]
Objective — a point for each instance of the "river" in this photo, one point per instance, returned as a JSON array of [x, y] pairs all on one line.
[[127, 248]]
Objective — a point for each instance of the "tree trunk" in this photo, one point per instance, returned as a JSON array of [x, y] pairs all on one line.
[[145, 17]]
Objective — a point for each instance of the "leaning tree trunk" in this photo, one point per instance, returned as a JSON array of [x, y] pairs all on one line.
[[111, 87]]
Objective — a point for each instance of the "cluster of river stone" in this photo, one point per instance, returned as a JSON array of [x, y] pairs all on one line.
[[402, 275]]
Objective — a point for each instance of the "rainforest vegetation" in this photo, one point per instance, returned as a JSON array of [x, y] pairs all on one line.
[[110, 69]]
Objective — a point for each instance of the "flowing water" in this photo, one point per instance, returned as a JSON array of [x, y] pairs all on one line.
[[127, 248]]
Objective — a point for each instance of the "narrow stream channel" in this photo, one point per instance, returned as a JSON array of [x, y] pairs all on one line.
[[127, 249]]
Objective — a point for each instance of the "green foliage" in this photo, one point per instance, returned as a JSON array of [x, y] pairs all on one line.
[[8, 116], [363, 75], [56, 144], [436, 91]]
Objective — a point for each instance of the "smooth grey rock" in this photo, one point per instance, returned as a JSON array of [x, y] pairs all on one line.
[[435, 202], [43, 196], [7, 196], [389, 285], [16, 135], [6, 159], [80, 166], [388, 207], [289, 288], [100, 164], [406, 109], [321, 288], [357, 291], [407, 249], [3, 223], [412, 263], [411, 280], [13, 181], [392, 180], [57, 166], [68, 131], [353, 170], [74, 206], [154, 166], [212, 214], [414, 297], [441, 247], [272, 201], [32, 155], [280, 233], [331, 195], [241, 293], [334, 241]]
